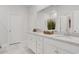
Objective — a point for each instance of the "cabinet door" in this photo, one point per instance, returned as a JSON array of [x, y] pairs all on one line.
[[32, 43], [15, 29], [39, 45], [61, 51], [48, 47]]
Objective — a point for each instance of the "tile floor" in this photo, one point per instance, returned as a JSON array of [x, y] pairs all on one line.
[[16, 49]]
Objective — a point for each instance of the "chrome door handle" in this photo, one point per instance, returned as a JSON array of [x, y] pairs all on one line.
[[56, 51], [10, 31]]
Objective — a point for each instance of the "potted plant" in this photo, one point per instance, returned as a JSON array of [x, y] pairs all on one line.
[[50, 27], [51, 24]]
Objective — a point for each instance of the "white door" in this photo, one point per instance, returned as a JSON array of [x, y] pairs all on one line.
[[15, 28], [15, 24]]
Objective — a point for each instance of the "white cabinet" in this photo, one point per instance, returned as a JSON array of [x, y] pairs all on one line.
[[32, 43], [44, 45], [35, 44], [40, 45], [48, 47], [51, 48], [61, 51], [61, 47]]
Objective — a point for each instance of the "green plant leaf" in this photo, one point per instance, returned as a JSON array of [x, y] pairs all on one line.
[[51, 24]]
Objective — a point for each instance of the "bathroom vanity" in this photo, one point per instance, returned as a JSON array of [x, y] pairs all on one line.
[[67, 22], [41, 43]]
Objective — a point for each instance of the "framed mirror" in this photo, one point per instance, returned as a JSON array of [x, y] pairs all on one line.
[[66, 18]]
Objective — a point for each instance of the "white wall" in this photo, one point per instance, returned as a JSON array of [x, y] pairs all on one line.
[[67, 11], [14, 19], [3, 25], [33, 13]]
